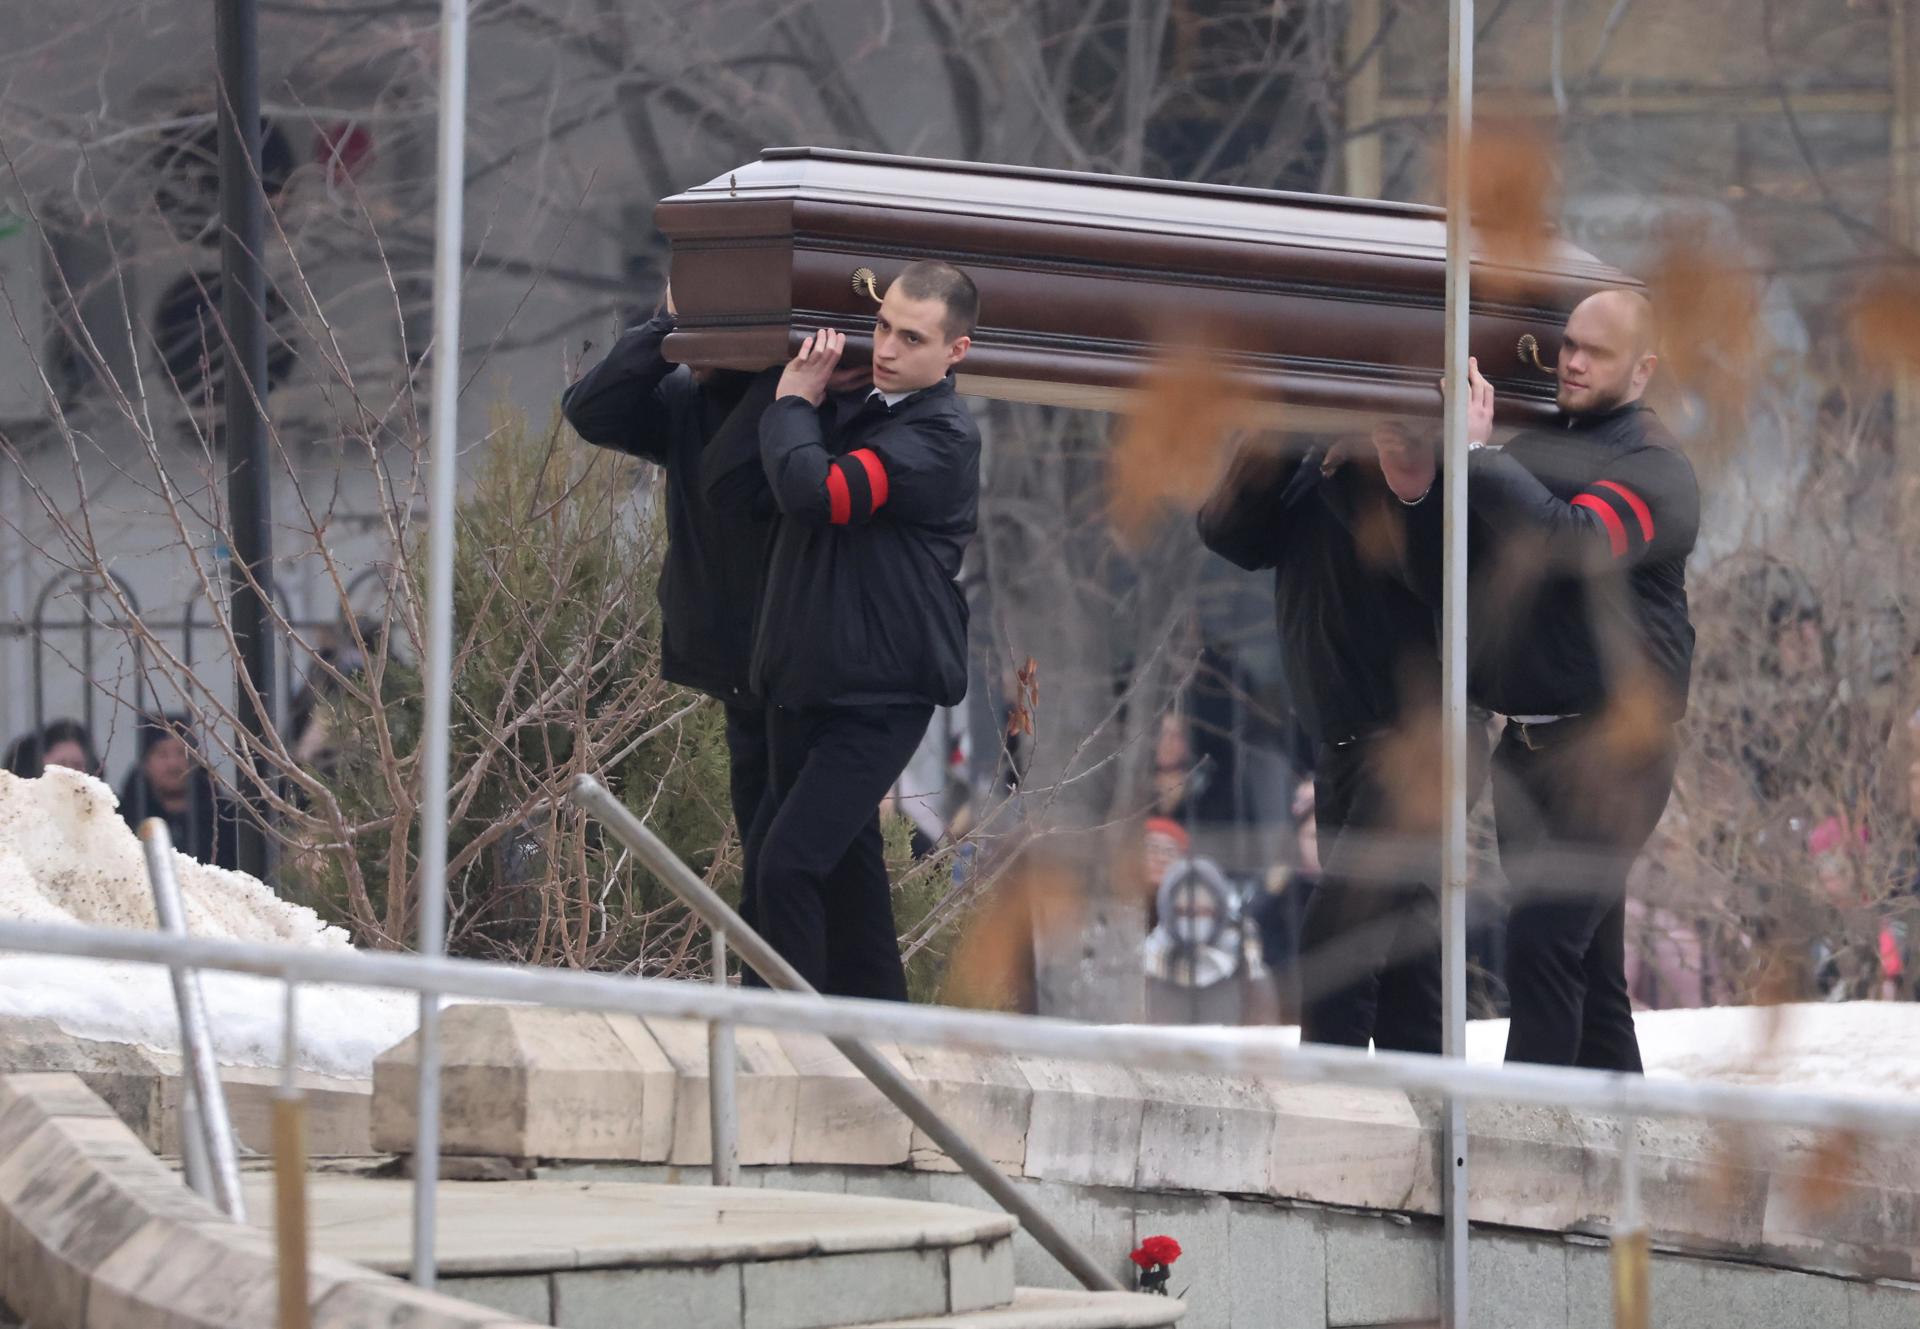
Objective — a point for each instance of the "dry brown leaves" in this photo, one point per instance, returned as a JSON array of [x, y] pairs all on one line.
[[1733, 1168], [1026, 698], [1510, 181], [1831, 1174], [1884, 322], [992, 962], [1711, 340], [1376, 537], [1169, 450], [1636, 725], [1738, 1159], [1408, 766], [1743, 1160]]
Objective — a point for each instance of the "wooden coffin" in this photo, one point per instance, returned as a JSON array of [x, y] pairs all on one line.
[[1323, 304]]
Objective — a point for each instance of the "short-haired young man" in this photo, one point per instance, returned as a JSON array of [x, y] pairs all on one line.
[[862, 628]]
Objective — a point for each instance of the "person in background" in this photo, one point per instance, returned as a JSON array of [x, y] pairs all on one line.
[[1852, 967], [1279, 910], [171, 782], [64, 743], [1175, 767], [1911, 961], [1195, 953], [932, 791], [312, 716]]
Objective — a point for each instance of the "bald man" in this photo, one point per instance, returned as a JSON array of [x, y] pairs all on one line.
[[1578, 634]]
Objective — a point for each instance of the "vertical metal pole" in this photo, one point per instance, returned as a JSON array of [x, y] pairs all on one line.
[[1632, 1248], [722, 1114], [448, 206], [290, 1175], [13, 532], [193, 1142], [1453, 662], [243, 303], [196, 1042]]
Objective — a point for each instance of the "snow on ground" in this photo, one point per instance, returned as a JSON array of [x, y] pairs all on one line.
[[66, 856], [1853, 1047], [341, 1029], [1856, 1047]]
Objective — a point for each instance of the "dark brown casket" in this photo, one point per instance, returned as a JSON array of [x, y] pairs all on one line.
[[1325, 304]]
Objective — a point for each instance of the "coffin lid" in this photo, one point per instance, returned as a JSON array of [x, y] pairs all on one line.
[[1326, 304]]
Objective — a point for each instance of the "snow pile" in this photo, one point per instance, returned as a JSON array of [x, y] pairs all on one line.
[[1852, 1047], [66, 856]]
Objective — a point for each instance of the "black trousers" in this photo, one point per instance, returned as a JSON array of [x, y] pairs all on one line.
[[1370, 940], [1573, 812], [746, 763], [747, 778], [818, 872]]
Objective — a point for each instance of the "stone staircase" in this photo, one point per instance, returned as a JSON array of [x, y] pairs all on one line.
[[625, 1255], [95, 1231]]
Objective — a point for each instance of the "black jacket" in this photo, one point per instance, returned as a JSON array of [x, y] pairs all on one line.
[[1356, 645], [876, 506], [206, 830], [637, 401], [1577, 543]]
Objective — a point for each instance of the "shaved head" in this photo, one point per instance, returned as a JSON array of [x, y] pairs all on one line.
[[1607, 357], [1630, 312]]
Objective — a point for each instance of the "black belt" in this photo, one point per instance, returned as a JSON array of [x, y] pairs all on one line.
[[1360, 736], [1476, 715], [1537, 734]]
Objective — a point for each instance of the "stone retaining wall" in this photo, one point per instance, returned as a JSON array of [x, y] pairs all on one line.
[[144, 1088], [528, 1083], [1275, 1264]]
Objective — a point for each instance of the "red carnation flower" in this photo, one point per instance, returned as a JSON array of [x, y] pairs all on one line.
[[1156, 1250]]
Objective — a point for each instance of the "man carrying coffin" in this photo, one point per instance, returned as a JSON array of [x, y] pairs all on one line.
[[862, 628], [1578, 634]]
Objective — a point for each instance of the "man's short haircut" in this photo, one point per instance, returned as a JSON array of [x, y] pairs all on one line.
[[930, 279], [1642, 323]]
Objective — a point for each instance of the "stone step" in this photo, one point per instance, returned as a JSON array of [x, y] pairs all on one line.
[[626, 1255], [1049, 1308]]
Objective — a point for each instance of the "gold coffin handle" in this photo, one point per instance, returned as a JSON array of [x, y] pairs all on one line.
[[1529, 351], [865, 283]]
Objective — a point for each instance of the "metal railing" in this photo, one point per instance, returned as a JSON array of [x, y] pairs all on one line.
[[1261, 1052], [1219, 1050], [773, 968], [207, 1149], [851, 1023]]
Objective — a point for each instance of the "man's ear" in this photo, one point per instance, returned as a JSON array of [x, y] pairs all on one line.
[[957, 350], [1643, 372]]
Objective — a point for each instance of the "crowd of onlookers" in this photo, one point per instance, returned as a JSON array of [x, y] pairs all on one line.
[[168, 779]]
